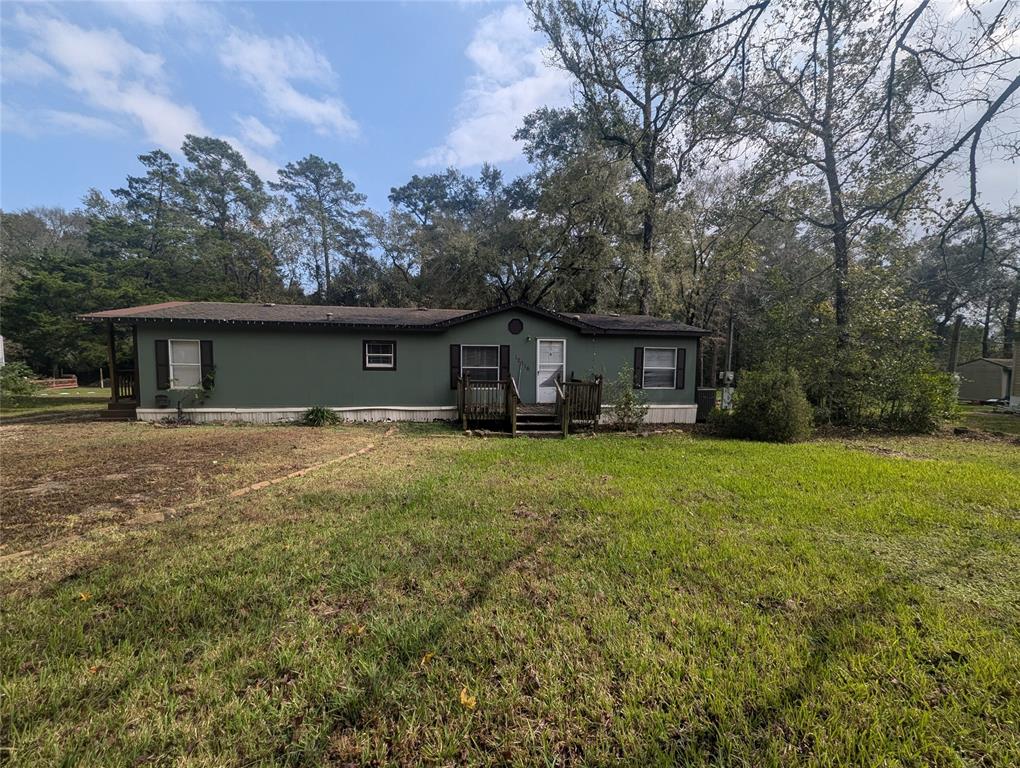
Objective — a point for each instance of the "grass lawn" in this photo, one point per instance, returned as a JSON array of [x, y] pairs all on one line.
[[56, 403], [990, 419], [448, 600]]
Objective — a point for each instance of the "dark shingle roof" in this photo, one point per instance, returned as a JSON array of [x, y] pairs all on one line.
[[410, 318], [302, 314]]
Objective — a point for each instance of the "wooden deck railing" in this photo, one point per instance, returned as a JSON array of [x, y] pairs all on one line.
[[576, 401], [562, 407], [585, 398], [488, 401], [125, 386]]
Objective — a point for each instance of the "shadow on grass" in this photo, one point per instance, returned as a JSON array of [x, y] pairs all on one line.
[[834, 631]]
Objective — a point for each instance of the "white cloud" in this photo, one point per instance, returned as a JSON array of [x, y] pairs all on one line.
[[113, 75], [271, 66], [24, 65], [158, 13], [35, 123], [76, 122], [110, 73], [256, 132], [512, 79]]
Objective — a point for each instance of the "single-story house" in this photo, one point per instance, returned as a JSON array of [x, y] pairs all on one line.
[[986, 378], [215, 361]]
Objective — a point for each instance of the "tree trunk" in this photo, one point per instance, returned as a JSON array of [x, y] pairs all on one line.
[[986, 334], [1009, 328], [647, 254], [648, 219], [954, 345]]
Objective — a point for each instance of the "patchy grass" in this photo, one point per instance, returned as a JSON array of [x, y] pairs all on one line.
[[47, 403], [447, 600], [76, 393], [991, 419], [63, 481]]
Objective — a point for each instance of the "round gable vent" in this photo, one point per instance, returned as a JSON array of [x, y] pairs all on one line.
[[515, 326]]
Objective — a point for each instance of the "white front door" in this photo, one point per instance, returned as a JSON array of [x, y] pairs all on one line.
[[552, 362]]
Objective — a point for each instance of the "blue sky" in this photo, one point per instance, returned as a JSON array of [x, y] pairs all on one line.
[[385, 89]]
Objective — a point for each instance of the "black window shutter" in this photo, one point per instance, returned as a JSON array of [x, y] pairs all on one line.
[[639, 366], [504, 362], [681, 367], [207, 364], [454, 365], [162, 364]]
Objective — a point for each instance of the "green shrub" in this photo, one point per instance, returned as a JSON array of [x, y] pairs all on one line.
[[925, 402], [771, 406], [629, 404], [319, 416], [720, 422], [16, 385]]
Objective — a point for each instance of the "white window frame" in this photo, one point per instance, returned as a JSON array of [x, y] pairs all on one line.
[[170, 358], [483, 367], [391, 365], [645, 366]]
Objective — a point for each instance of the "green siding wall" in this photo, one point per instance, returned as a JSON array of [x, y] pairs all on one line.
[[290, 368]]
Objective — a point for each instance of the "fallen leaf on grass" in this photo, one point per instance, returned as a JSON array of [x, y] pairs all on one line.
[[466, 700], [427, 658], [83, 596]]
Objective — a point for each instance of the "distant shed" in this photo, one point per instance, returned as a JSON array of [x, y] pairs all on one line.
[[986, 378]]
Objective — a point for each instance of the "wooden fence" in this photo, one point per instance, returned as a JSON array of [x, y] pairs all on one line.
[[61, 382]]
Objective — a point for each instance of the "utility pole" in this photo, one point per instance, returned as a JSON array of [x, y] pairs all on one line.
[[727, 375]]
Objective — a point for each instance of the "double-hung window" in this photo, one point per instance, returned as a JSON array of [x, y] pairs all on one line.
[[185, 364], [659, 368], [379, 355], [480, 363]]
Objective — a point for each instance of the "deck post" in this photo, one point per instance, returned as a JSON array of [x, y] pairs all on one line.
[[513, 408], [111, 351], [463, 385], [565, 417]]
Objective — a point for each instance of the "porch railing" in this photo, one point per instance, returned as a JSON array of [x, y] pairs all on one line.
[[585, 398], [562, 407], [126, 389], [488, 401]]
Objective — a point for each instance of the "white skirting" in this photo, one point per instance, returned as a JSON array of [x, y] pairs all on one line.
[[275, 415], [657, 414], [663, 414]]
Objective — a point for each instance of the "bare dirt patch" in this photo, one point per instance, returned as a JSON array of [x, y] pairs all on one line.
[[61, 480]]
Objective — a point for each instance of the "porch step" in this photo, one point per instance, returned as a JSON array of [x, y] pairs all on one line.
[[539, 432], [122, 411]]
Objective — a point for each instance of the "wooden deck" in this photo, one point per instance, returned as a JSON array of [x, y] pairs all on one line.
[[577, 401]]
